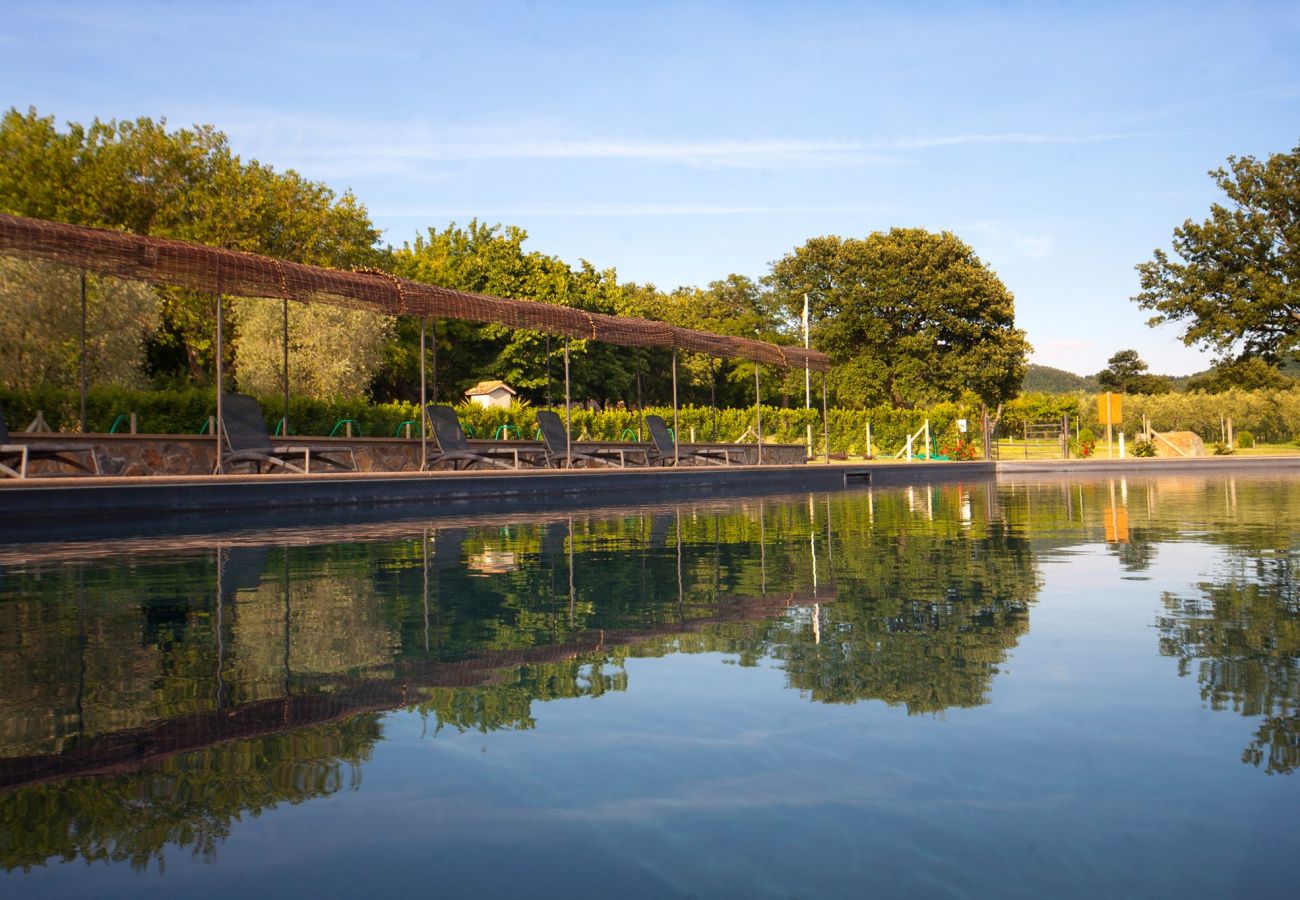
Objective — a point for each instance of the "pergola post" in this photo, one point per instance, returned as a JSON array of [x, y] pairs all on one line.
[[433, 384], [221, 376], [826, 422], [424, 399], [758, 411], [81, 360], [677, 431], [568, 427], [285, 341], [713, 396]]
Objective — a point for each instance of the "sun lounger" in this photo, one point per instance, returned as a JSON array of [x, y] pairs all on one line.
[[20, 454], [454, 447], [560, 452], [247, 441], [666, 450]]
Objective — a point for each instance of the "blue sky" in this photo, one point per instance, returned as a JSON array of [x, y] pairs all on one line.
[[681, 142]]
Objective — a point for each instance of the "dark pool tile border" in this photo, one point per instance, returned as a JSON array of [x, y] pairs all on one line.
[[1133, 466], [54, 506], [251, 497]]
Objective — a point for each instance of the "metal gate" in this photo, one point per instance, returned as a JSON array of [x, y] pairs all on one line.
[[1047, 439]]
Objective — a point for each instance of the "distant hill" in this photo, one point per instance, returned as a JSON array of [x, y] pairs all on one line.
[[1045, 379]]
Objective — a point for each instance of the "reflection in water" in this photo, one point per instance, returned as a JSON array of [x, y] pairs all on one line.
[[1241, 634], [152, 696]]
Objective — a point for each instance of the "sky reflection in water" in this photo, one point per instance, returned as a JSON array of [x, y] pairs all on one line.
[[1014, 689]]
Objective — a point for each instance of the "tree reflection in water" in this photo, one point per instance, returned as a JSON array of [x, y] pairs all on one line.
[[174, 695], [1241, 634], [151, 696]]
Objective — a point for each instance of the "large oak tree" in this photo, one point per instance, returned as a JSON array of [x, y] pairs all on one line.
[[908, 317], [1233, 281]]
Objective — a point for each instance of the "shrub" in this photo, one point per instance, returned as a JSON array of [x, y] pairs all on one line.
[[959, 448], [1144, 448], [1084, 445], [1245, 439], [1223, 450]]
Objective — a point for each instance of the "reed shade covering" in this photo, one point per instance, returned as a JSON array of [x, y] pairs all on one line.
[[197, 267]]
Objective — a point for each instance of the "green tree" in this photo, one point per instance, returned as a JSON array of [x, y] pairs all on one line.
[[1250, 374], [140, 177], [40, 331], [1234, 279], [491, 259], [1127, 372], [734, 305], [321, 365], [907, 317]]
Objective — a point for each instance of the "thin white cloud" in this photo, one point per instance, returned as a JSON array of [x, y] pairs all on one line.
[[1014, 137], [999, 241], [617, 210], [331, 146], [736, 154]]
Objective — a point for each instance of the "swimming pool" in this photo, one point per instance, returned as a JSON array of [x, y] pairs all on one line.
[[1064, 688]]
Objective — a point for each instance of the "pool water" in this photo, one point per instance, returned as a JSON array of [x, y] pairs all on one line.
[[1016, 689]]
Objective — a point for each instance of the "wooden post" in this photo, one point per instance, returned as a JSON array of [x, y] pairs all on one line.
[[424, 399], [433, 363], [286, 366], [568, 428], [677, 432], [826, 429], [81, 360], [220, 377], [758, 411]]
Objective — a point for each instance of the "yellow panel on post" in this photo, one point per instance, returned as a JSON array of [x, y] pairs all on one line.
[[1110, 408]]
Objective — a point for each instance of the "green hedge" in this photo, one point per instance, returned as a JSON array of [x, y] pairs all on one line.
[[186, 412], [1272, 416]]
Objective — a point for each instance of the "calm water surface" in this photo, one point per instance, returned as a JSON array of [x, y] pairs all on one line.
[[1013, 690]]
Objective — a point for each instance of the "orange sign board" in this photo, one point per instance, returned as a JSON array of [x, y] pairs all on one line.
[[1110, 408], [1116, 524]]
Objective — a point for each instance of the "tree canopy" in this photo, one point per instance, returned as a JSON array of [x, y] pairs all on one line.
[[138, 176], [1250, 374], [907, 317], [1127, 372], [1233, 281]]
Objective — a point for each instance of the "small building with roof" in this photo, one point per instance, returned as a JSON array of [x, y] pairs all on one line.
[[491, 394]]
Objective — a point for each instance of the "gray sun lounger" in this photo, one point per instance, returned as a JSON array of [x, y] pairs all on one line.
[[560, 452], [667, 450], [16, 454], [247, 441], [454, 447]]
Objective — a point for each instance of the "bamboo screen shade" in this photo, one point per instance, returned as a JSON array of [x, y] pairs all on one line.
[[182, 264]]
